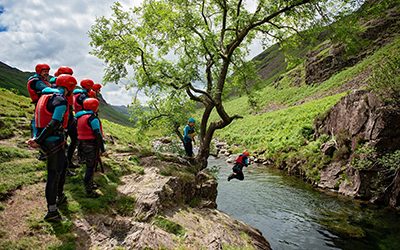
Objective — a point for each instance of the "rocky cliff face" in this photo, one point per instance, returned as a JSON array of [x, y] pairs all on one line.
[[361, 120], [329, 58], [168, 189]]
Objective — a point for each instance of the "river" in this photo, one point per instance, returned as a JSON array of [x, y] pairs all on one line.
[[293, 215]]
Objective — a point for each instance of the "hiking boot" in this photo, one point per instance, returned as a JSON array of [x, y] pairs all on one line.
[[70, 172], [53, 216], [91, 191], [61, 199], [92, 194]]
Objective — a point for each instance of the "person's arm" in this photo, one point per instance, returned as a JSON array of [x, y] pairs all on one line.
[[40, 85], [95, 124], [54, 124], [246, 161]]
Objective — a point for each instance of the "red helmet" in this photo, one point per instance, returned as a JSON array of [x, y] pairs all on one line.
[[96, 87], [92, 94], [87, 84], [64, 70], [40, 67], [246, 153], [66, 81], [91, 104]]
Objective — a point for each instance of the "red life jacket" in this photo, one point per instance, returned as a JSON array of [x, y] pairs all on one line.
[[34, 93], [85, 131], [77, 106], [240, 159], [43, 116]]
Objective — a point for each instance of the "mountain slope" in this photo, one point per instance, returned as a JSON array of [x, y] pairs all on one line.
[[15, 80]]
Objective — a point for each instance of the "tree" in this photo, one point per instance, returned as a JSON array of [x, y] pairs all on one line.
[[194, 46]]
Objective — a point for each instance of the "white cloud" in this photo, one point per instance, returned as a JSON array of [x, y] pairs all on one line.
[[55, 32]]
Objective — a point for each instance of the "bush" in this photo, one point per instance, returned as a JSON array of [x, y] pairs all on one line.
[[385, 78]]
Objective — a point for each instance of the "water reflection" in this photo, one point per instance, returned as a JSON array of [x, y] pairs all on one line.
[[292, 215]]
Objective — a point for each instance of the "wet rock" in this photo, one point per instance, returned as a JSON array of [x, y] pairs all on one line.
[[330, 176], [328, 148]]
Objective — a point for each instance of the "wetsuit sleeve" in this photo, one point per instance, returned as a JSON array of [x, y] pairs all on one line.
[[39, 85], [59, 112], [95, 124]]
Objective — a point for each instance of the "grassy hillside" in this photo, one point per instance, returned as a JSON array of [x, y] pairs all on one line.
[[15, 80], [278, 123], [22, 179], [12, 78]]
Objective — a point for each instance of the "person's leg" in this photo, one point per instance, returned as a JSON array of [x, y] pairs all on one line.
[[90, 153], [62, 167], [73, 135], [188, 148], [54, 161], [240, 176]]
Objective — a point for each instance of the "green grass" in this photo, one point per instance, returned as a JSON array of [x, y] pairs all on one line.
[[169, 226], [278, 130], [19, 172]]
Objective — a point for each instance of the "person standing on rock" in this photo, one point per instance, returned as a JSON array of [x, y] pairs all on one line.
[[91, 144], [241, 161], [51, 118], [188, 137]]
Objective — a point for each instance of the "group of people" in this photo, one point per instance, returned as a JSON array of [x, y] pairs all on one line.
[[241, 161], [64, 110]]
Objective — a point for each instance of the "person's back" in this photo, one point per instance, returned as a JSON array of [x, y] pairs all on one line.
[[51, 118], [81, 94], [91, 145]]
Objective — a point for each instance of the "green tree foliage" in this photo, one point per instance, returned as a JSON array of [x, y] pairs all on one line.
[[181, 50]]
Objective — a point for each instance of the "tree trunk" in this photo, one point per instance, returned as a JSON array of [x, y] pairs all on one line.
[[204, 150]]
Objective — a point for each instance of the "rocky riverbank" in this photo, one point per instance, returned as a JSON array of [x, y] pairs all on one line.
[[168, 193]]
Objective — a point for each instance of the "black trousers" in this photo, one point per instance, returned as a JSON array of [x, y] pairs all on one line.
[[89, 153], [72, 132], [56, 170], [238, 170], [188, 148]]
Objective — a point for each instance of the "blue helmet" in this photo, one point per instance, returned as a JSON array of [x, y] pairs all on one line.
[[191, 120]]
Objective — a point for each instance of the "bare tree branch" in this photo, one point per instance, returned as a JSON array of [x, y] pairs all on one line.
[[286, 27]]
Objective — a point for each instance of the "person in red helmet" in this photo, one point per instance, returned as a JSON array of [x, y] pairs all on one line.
[[51, 118], [91, 144], [241, 161], [39, 81], [36, 83], [81, 94], [71, 129], [96, 88]]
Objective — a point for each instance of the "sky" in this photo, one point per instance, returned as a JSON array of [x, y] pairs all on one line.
[[55, 32]]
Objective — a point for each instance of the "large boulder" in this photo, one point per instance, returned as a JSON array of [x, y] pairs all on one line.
[[363, 117]]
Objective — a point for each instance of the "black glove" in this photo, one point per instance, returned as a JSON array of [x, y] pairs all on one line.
[[99, 140]]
